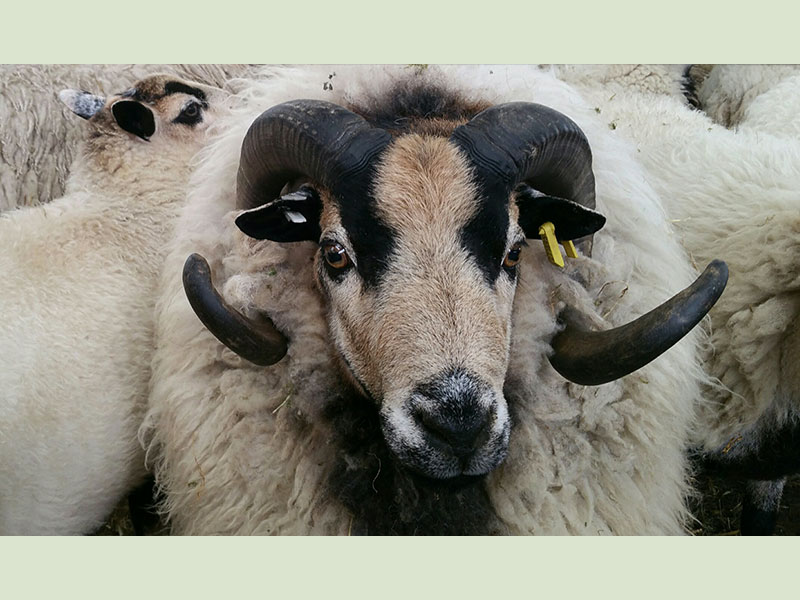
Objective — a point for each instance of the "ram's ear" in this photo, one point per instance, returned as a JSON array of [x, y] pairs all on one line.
[[570, 219], [293, 217], [134, 117], [83, 104]]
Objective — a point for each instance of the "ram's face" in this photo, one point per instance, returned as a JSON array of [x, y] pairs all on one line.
[[420, 281], [419, 236]]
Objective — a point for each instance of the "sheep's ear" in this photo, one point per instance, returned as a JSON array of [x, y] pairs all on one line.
[[83, 104], [570, 219], [293, 217], [135, 118]]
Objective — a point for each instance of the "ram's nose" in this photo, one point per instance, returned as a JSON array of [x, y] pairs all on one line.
[[455, 413]]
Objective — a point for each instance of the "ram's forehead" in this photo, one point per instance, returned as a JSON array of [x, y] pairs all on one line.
[[424, 181], [424, 197]]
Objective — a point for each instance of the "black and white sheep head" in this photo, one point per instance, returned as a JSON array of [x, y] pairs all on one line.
[[418, 237], [418, 308], [160, 108]]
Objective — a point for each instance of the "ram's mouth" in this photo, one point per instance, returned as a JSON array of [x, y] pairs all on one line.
[[432, 457]]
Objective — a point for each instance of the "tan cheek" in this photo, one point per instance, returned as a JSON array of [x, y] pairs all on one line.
[[351, 316], [506, 307]]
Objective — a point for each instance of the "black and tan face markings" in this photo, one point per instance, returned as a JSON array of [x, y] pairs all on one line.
[[191, 113], [406, 299], [177, 87], [373, 240], [374, 247], [150, 92], [484, 237]]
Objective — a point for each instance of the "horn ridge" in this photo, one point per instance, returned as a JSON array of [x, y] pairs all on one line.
[[327, 143], [522, 141]]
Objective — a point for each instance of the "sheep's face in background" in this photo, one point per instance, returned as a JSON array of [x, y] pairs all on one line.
[[159, 112], [420, 284]]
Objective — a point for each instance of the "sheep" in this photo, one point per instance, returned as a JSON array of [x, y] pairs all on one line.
[[734, 194], [77, 303], [343, 435], [728, 92], [670, 80], [37, 144]]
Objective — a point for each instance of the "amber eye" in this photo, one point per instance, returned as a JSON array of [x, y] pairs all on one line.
[[513, 256], [335, 255]]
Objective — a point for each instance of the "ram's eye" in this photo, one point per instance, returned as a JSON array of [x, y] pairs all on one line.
[[513, 256], [335, 255]]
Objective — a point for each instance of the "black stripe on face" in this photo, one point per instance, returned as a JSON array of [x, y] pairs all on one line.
[[372, 240], [176, 87], [171, 87], [484, 236]]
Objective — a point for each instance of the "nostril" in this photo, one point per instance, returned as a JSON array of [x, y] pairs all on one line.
[[455, 411], [463, 431]]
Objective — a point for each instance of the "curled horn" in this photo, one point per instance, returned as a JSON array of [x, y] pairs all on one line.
[[525, 142], [596, 357], [256, 340], [330, 146], [327, 143], [521, 142]]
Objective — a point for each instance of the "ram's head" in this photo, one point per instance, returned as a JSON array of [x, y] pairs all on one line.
[[419, 238]]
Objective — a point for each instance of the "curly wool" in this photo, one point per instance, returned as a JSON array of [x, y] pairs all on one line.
[[732, 195], [239, 449], [606, 80], [729, 91]]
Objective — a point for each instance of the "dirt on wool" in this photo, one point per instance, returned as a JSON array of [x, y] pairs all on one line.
[[718, 506]]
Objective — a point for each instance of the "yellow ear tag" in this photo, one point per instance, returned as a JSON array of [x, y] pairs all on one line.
[[569, 248], [548, 234]]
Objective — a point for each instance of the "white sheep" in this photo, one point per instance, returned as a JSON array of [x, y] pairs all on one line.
[[37, 142], [295, 448], [735, 195], [77, 303], [728, 91], [606, 80]]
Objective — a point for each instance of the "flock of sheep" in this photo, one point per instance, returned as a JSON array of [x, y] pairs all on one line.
[[313, 300]]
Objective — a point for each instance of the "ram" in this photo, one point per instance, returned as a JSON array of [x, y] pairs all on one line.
[[39, 144], [735, 194], [381, 229], [76, 335]]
